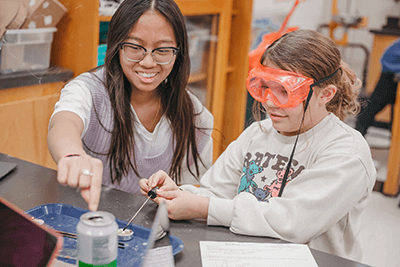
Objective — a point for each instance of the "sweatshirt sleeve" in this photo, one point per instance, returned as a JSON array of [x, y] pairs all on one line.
[[220, 183]]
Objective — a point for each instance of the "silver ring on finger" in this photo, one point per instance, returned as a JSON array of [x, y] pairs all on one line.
[[86, 172]]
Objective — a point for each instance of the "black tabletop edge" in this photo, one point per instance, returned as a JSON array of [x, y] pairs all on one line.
[[386, 31]]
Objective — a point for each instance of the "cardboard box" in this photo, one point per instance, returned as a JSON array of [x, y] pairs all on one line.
[[43, 13], [12, 15]]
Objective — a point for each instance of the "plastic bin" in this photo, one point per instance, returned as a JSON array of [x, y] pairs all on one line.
[[198, 40], [26, 49], [199, 37]]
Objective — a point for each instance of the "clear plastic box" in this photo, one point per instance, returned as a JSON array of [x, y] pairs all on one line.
[[198, 40], [26, 49]]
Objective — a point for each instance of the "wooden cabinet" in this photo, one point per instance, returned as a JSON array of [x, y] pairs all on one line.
[[76, 41], [24, 117]]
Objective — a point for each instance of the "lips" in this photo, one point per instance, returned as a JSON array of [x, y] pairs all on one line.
[[147, 77], [275, 116], [147, 74]]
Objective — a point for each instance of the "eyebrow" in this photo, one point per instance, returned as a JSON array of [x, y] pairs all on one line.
[[159, 41]]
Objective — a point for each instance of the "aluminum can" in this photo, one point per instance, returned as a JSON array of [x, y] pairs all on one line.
[[97, 239]]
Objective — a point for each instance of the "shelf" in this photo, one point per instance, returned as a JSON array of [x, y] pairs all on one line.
[[104, 18], [230, 69], [34, 77], [197, 77]]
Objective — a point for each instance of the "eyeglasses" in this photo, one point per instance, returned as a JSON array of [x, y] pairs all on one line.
[[160, 55]]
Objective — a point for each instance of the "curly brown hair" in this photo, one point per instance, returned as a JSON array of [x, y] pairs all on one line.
[[316, 56]]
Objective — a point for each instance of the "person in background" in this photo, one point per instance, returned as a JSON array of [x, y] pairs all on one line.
[[133, 116], [262, 185], [385, 90]]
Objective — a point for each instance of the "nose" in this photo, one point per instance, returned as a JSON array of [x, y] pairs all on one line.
[[269, 103], [148, 61]]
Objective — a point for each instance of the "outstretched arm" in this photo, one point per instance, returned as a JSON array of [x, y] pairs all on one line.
[[64, 138]]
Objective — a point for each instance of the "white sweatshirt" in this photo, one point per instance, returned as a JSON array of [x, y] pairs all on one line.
[[331, 181]]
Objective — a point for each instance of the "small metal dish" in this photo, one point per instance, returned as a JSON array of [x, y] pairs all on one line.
[[125, 235], [160, 233], [38, 221]]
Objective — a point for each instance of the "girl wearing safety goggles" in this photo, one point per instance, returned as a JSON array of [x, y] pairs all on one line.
[[302, 174]]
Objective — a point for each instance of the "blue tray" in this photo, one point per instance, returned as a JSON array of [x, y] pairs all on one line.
[[64, 217]]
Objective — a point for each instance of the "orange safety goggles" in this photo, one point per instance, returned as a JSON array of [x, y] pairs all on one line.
[[283, 88]]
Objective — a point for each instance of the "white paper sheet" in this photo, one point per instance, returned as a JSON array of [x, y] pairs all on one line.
[[235, 254], [162, 256]]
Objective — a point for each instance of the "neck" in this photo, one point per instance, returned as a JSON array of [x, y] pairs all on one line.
[[313, 120], [144, 98], [148, 108]]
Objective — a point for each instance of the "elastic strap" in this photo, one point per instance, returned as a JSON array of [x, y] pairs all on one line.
[[310, 93], [324, 79]]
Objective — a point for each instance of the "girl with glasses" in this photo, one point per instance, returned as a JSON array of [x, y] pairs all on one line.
[[302, 174], [133, 116]]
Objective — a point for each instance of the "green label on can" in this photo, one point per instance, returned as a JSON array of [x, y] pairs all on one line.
[[111, 264]]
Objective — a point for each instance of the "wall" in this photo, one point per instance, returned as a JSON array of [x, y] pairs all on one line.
[[311, 13]]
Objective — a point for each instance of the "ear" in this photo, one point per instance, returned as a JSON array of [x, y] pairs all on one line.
[[327, 94]]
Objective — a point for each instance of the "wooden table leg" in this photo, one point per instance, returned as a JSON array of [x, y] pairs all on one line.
[[391, 185]]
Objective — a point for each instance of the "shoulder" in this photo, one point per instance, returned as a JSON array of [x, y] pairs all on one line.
[[337, 137], [331, 130], [203, 114], [93, 79], [198, 106], [342, 131], [263, 127], [88, 83], [258, 133]]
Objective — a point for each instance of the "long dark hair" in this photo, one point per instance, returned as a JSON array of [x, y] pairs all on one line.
[[175, 100]]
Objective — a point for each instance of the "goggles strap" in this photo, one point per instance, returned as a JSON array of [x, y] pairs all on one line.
[[285, 176], [310, 93], [324, 79]]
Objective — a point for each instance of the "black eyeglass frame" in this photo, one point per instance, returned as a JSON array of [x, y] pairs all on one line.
[[175, 49]]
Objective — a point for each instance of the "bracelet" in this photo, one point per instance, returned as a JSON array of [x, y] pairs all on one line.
[[71, 155]]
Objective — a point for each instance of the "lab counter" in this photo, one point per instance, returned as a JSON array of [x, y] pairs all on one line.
[[30, 185]]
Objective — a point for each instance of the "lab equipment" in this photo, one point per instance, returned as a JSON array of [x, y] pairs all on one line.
[[151, 195]]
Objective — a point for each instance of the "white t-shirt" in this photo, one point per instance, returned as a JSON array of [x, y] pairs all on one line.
[[76, 97]]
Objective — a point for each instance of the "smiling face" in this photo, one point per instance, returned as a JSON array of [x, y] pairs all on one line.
[[151, 31], [285, 120]]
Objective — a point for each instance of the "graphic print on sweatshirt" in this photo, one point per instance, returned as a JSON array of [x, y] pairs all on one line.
[[263, 174]]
